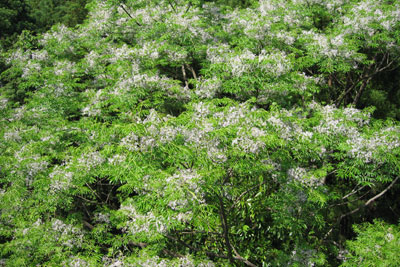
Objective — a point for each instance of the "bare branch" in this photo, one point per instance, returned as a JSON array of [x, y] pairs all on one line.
[[87, 200], [364, 205], [348, 202], [385, 67], [93, 191], [192, 70], [208, 253], [381, 193], [165, 251], [126, 11], [192, 232], [184, 75], [344, 93], [138, 244], [88, 225], [189, 6], [359, 93], [172, 5], [337, 80], [248, 263], [354, 191], [224, 224]]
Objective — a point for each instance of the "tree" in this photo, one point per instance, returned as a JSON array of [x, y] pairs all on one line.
[[187, 133]]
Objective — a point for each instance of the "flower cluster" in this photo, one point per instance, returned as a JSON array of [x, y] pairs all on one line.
[[366, 148], [147, 223], [208, 88], [302, 176], [249, 143], [187, 179], [69, 235], [61, 179], [90, 160]]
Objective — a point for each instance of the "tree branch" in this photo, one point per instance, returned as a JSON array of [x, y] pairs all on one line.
[[87, 200], [165, 251], [369, 201], [138, 244], [359, 93], [354, 191], [344, 93], [381, 193], [248, 263], [208, 253], [192, 70], [244, 193], [172, 6], [184, 75], [348, 202], [126, 11], [224, 224], [189, 6], [88, 225], [192, 232]]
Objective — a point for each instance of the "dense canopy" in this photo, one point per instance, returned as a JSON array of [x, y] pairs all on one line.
[[204, 133]]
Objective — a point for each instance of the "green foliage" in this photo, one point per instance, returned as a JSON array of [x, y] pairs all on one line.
[[200, 133], [377, 244]]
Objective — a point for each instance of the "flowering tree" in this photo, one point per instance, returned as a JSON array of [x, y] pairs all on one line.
[[190, 133]]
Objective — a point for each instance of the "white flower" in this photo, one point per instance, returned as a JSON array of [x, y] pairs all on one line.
[[60, 179], [300, 175], [29, 68], [91, 160], [12, 136], [3, 103], [143, 223], [208, 88], [102, 218], [117, 160]]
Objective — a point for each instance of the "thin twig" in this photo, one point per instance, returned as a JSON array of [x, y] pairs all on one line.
[[189, 232], [363, 205], [354, 191], [93, 191], [172, 6], [126, 11], [138, 244], [359, 93], [344, 93], [381, 193], [87, 200], [244, 193], [348, 202], [189, 6], [109, 194]]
